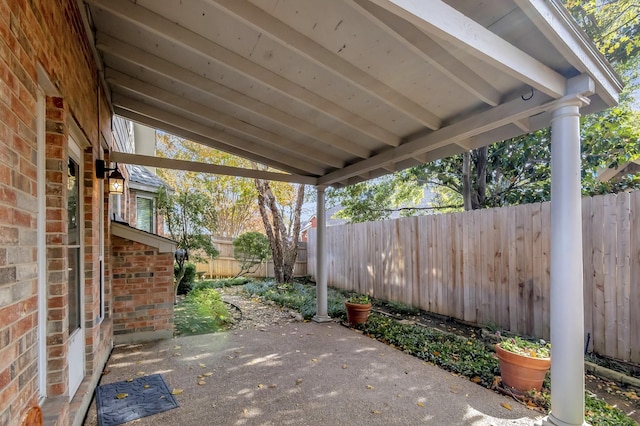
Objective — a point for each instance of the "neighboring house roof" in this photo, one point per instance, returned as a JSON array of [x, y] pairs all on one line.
[[143, 179], [630, 167], [124, 230]]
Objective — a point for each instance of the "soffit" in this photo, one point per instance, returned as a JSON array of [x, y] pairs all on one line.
[[341, 91]]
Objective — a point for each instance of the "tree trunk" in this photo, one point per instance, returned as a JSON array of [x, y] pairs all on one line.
[[480, 161], [284, 247], [466, 180], [272, 234], [291, 252], [474, 186]]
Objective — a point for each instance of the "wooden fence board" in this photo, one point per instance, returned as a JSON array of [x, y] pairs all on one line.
[[472, 246], [610, 245], [503, 290], [546, 269], [423, 266], [623, 275], [634, 290], [459, 266], [536, 268], [587, 276], [493, 266], [598, 317], [513, 273]]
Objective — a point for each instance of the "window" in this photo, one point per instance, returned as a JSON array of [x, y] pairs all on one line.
[[145, 214], [73, 231]]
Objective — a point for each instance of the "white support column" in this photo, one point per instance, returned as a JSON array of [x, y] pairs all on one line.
[[321, 267], [567, 310]]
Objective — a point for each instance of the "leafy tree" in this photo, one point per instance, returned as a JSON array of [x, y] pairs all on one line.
[[517, 170], [250, 249], [280, 206], [377, 199], [614, 26], [190, 221], [234, 197]]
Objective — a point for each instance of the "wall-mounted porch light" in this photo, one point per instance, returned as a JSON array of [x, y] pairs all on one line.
[[115, 180]]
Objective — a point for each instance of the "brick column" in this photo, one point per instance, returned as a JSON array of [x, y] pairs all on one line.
[[56, 229], [142, 280]]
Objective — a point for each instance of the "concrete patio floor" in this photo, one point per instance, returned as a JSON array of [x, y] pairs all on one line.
[[306, 374]]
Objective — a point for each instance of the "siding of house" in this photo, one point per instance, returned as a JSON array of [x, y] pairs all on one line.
[[43, 46]]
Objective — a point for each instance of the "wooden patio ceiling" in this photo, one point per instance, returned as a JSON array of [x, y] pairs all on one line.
[[334, 92]]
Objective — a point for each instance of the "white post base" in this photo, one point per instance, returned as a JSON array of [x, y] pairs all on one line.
[[552, 421], [321, 319]]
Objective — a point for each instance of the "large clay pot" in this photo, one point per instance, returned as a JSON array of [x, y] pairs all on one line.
[[520, 372], [357, 313]]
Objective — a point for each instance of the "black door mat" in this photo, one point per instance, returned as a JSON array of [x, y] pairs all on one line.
[[121, 402]]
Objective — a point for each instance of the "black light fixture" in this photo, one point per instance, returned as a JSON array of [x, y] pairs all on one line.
[[116, 180]]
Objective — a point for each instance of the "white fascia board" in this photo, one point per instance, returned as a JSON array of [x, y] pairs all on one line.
[[164, 245], [438, 19], [563, 32]]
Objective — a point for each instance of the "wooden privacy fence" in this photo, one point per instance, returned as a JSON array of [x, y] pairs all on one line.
[[491, 267], [225, 265]]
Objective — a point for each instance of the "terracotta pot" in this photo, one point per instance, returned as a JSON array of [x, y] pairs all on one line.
[[357, 313], [520, 372]]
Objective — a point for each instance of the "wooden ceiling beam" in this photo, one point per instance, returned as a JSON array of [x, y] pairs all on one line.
[[430, 51], [188, 135], [202, 112], [162, 67], [438, 19], [225, 141], [318, 54], [181, 36], [456, 132]]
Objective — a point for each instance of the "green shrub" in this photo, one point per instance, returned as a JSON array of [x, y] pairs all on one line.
[[202, 311], [187, 282], [468, 357], [298, 296], [251, 249], [598, 412], [221, 283]]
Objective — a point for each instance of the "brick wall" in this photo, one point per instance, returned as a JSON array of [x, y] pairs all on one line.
[[48, 35], [142, 280]]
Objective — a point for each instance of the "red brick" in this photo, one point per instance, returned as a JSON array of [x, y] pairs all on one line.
[[22, 326]]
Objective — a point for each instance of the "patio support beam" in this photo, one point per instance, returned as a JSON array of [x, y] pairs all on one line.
[[194, 166], [567, 310], [438, 19], [321, 267]]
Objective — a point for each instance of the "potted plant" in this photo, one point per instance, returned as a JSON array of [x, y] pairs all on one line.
[[358, 308], [523, 364]]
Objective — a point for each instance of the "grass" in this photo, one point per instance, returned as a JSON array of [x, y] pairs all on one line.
[[469, 357], [202, 311]]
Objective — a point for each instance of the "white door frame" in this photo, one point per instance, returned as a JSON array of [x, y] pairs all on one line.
[[76, 345], [42, 248]]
